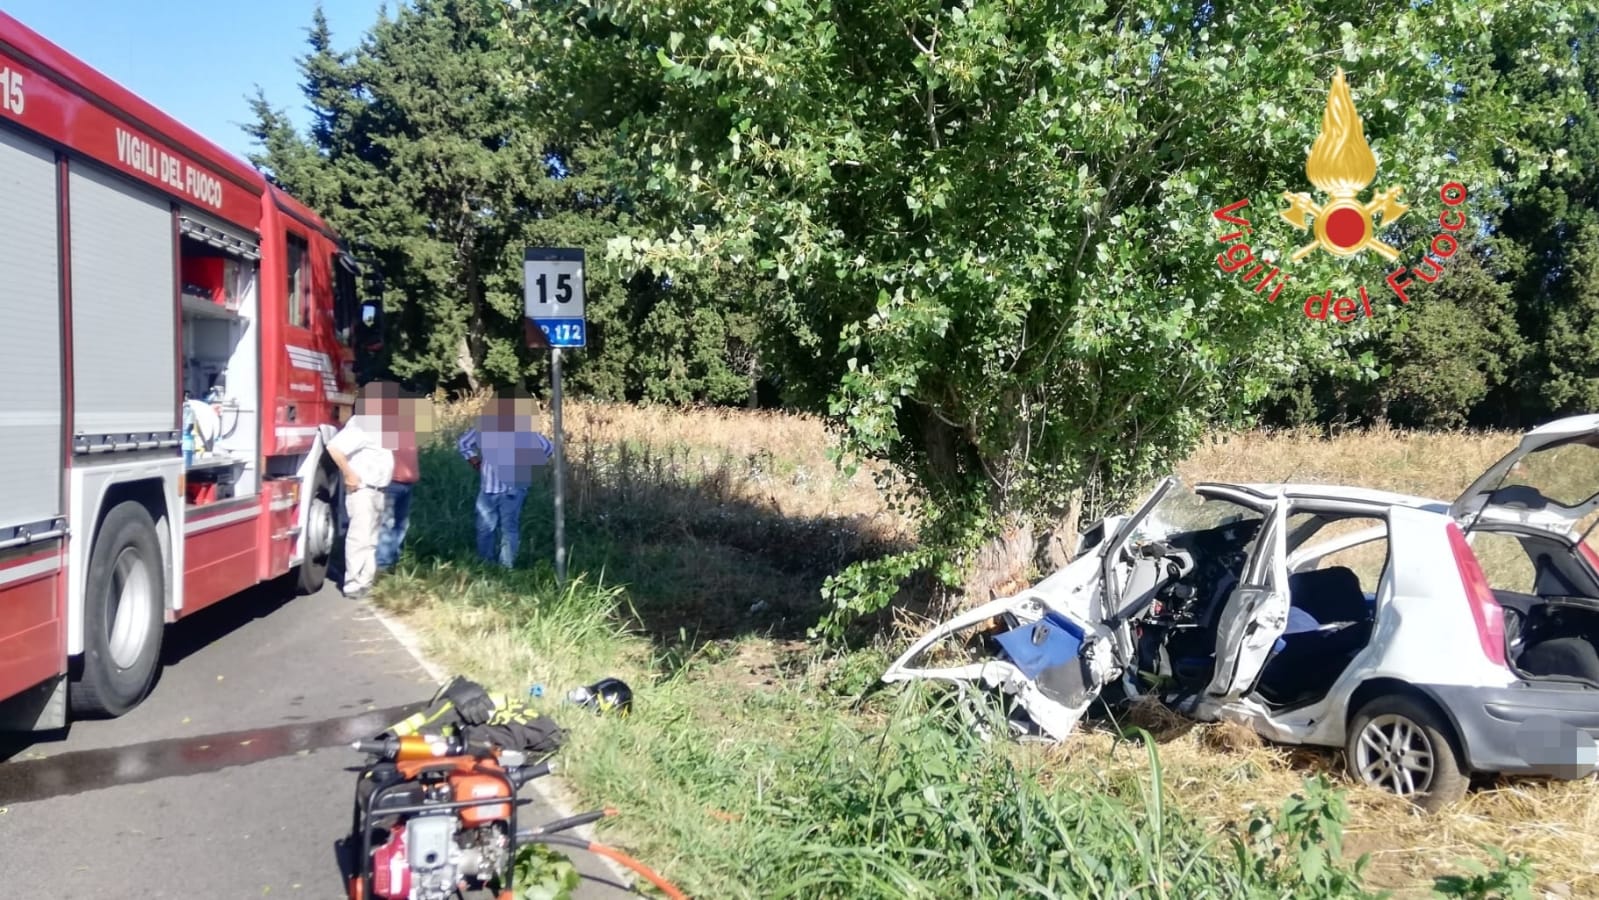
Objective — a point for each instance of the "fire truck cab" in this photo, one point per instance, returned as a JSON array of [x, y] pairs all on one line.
[[178, 340]]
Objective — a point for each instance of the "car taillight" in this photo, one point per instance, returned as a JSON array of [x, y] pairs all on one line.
[[1485, 609], [1588, 554]]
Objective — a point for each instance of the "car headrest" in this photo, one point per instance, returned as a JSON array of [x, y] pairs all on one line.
[[1331, 580], [1329, 595]]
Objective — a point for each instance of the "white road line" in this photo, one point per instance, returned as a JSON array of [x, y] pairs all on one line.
[[548, 788]]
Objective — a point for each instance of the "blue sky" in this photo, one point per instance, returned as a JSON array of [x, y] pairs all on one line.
[[198, 61]]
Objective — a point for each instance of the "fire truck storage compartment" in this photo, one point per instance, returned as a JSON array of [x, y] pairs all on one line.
[[124, 380], [220, 269], [30, 341]]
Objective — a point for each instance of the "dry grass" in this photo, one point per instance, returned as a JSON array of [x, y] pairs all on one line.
[[1223, 772], [779, 465], [776, 460], [719, 521], [1425, 464]]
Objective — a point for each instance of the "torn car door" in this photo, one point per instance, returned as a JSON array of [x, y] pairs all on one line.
[[1047, 646], [1256, 614], [1113, 556]]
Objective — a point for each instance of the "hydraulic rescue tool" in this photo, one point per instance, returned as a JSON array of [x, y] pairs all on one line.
[[436, 810]]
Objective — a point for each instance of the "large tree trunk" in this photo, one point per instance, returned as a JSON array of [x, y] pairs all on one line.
[[1060, 544], [1009, 562], [463, 362], [1004, 565]]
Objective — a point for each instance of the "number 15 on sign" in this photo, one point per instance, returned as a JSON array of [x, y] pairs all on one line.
[[553, 290]]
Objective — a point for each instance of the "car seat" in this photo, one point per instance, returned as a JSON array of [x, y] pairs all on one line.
[[1330, 595], [1542, 640], [1305, 663], [1518, 609]]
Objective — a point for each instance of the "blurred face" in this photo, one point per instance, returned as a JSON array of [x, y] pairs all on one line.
[[489, 420], [380, 399], [509, 413]]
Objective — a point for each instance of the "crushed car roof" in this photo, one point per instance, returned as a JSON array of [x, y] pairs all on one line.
[[1336, 492]]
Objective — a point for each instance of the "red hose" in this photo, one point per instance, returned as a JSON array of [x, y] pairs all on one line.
[[635, 865]]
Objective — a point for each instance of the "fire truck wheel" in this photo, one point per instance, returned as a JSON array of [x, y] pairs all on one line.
[[124, 606], [320, 530]]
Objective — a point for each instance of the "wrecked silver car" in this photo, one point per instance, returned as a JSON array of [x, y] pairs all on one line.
[[1055, 647], [1324, 615]]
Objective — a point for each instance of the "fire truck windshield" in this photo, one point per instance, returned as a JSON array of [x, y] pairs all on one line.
[[346, 305]]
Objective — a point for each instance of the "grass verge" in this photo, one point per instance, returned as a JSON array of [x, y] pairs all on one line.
[[749, 769]]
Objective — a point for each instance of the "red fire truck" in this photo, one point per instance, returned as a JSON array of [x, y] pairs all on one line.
[[177, 343]]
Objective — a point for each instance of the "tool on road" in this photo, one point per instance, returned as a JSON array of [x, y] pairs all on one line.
[[436, 804]]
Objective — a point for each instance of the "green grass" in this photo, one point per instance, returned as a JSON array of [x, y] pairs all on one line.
[[750, 766]]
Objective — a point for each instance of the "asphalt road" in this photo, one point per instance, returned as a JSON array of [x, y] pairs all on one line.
[[230, 781]]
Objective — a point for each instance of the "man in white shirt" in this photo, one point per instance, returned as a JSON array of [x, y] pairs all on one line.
[[368, 466]]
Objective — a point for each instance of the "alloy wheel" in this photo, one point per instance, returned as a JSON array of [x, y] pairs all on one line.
[[1395, 754]]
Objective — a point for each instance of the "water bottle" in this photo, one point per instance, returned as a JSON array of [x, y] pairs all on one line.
[[188, 436]]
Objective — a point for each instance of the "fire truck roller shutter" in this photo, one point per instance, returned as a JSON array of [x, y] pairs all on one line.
[[124, 340], [224, 237], [30, 341]]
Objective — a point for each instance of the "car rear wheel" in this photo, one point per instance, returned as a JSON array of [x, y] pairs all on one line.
[[1401, 746]]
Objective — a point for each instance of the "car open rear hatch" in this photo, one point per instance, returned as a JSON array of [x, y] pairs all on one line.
[[1550, 483]]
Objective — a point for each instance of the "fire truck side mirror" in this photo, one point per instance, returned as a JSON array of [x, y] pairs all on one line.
[[372, 287]]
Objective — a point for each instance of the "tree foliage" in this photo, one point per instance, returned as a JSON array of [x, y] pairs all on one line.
[[1439, 363], [420, 148], [1554, 225], [990, 223], [979, 234], [1509, 343]]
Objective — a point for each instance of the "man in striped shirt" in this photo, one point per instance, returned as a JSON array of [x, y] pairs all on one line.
[[504, 449]]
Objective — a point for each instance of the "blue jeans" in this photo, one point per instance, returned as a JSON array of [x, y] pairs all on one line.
[[396, 521], [502, 511]]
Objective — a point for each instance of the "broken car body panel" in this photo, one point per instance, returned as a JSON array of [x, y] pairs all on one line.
[[1056, 685], [1055, 688], [1242, 602], [1095, 600]]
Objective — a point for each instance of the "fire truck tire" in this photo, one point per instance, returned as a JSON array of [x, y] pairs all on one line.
[[124, 610], [313, 569]]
